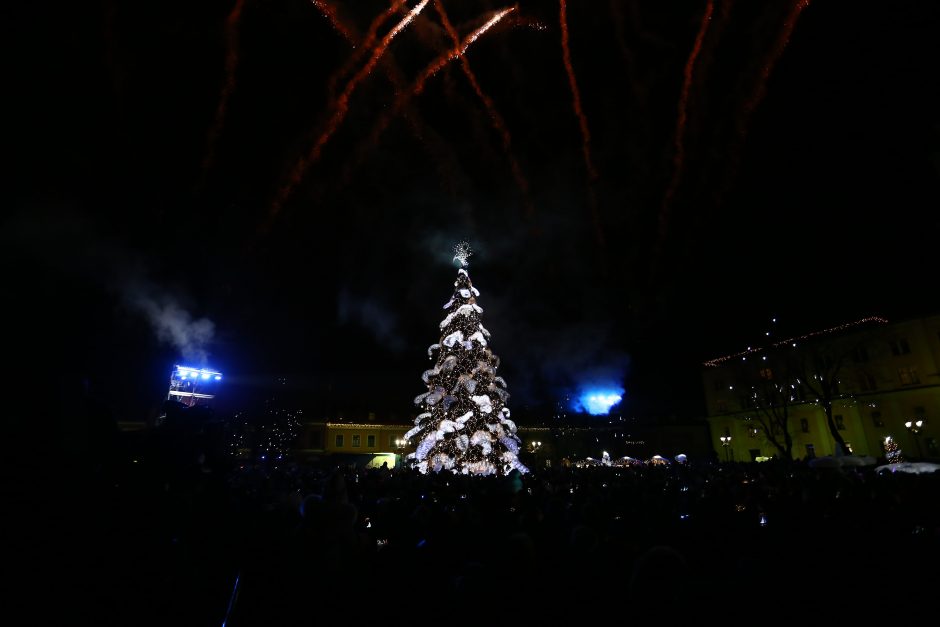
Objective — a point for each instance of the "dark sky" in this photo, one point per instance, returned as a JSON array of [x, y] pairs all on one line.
[[811, 196]]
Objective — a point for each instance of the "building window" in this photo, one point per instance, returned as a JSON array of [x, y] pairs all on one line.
[[900, 347], [752, 432], [766, 373], [908, 376], [722, 406], [804, 425], [876, 419], [840, 422], [339, 441], [866, 381], [728, 431], [859, 354], [370, 441], [718, 384], [810, 451], [356, 440]]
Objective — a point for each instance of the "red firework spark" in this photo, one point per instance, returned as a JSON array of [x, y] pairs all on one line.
[[330, 13], [750, 103], [575, 94], [582, 120], [368, 41], [498, 123], [679, 155], [340, 107], [231, 65], [457, 51], [780, 45], [361, 47], [433, 68]]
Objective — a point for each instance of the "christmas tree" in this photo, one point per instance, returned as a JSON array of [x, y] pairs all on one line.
[[464, 424], [892, 451]]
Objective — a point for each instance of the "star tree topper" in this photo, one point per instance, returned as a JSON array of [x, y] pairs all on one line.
[[462, 253]]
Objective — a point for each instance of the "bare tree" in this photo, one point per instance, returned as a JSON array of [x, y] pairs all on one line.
[[767, 393]]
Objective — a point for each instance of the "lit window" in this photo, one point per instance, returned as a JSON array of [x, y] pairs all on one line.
[[766, 373], [908, 376], [804, 425], [356, 440]]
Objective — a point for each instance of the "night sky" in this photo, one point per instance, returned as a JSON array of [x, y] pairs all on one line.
[[810, 196]]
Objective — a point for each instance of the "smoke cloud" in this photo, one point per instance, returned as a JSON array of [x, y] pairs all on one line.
[[376, 318], [70, 243], [173, 324]]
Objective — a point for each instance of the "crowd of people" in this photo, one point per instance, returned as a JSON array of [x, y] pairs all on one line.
[[293, 543]]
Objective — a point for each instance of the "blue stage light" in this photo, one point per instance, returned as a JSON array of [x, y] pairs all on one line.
[[598, 402], [218, 377], [205, 375]]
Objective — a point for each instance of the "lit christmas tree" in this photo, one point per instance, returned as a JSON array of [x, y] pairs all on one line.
[[892, 451], [464, 426]]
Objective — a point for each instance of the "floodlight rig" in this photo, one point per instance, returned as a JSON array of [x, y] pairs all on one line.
[[192, 386]]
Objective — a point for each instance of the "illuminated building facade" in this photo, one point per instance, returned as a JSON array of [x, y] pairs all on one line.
[[883, 381]]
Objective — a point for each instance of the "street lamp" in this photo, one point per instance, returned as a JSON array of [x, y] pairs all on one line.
[[726, 442], [534, 447], [915, 426]]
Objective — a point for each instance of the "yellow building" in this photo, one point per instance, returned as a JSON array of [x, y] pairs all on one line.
[[886, 382], [372, 440]]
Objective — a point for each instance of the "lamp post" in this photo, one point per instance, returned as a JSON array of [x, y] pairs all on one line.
[[534, 449], [726, 442], [915, 426]]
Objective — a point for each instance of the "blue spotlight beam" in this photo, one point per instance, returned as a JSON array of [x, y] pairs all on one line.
[[598, 402]]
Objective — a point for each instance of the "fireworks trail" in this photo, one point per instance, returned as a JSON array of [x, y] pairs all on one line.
[[417, 86], [629, 59], [780, 45], [361, 45], [232, 24], [582, 120], [458, 51], [330, 13], [678, 160], [340, 107], [364, 46], [751, 103], [498, 123]]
